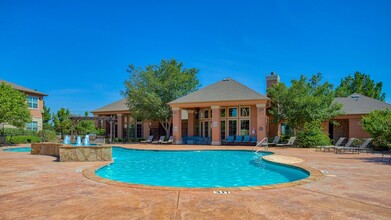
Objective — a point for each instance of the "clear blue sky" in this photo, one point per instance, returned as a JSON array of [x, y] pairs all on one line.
[[78, 51]]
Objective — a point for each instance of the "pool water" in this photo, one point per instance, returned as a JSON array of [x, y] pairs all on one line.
[[19, 149], [197, 169]]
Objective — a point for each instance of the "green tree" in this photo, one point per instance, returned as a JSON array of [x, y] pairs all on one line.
[[360, 83], [47, 118], [86, 127], [13, 106], [305, 101], [378, 125], [149, 89], [62, 122], [312, 135]]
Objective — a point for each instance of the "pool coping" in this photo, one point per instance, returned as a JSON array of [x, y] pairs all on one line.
[[314, 175]]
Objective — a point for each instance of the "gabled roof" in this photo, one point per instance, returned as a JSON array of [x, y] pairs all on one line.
[[225, 90], [23, 89], [360, 104], [119, 105]]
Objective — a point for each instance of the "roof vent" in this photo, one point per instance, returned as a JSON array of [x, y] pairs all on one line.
[[227, 79], [355, 96]]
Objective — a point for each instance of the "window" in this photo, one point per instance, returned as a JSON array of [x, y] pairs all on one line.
[[232, 127], [33, 126], [32, 102], [206, 114], [139, 129], [233, 112], [222, 133], [222, 113], [244, 127], [245, 111], [206, 131]]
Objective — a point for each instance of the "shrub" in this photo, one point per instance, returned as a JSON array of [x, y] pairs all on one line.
[[50, 136], [378, 125], [311, 136], [23, 139], [17, 132]]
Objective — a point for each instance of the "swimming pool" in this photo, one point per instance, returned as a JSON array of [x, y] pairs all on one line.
[[197, 169], [19, 149]]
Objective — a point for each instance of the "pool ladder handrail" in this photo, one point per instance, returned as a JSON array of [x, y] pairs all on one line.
[[264, 143]]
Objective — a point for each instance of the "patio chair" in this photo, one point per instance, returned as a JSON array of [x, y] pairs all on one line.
[[148, 141], [275, 141], [337, 144], [161, 139], [362, 146], [348, 146], [246, 139], [169, 141], [385, 153], [238, 139], [290, 143], [253, 140], [229, 140]]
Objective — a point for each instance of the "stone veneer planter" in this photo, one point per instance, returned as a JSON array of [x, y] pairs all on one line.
[[68, 153]]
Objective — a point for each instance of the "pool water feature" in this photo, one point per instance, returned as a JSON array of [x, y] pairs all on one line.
[[197, 169], [18, 149]]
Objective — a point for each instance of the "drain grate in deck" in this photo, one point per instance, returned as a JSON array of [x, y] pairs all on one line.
[[221, 192]]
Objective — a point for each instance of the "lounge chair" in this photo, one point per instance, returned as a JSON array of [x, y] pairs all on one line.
[[362, 146], [253, 140], [246, 139], [290, 143], [169, 141], [337, 144], [161, 139], [238, 139], [229, 140], [348, 146], [275, 141], [148, 141], [388, 152]]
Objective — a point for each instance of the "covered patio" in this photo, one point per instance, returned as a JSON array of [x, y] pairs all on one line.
[[226, 108]]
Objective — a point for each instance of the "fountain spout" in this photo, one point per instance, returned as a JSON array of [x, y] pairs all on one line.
[[67, 140], [78, 141], [87, 140]]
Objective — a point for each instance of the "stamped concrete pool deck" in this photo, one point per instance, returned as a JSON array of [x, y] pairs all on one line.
[[352, 187]]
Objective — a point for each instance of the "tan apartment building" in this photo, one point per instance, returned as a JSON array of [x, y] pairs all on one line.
[[34, 103]]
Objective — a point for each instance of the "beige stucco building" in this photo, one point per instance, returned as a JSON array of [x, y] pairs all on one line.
[[34, 103]]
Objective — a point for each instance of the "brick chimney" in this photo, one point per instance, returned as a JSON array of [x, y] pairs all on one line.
[[272, 79]]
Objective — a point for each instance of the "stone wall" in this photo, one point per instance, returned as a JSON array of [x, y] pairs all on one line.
[[84, 154], [50, 149], [68, 153]]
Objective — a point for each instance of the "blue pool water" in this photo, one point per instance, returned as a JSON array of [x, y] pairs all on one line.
[[197, 169], [19, 149]]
